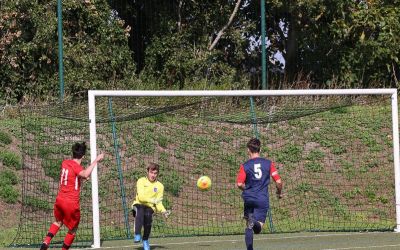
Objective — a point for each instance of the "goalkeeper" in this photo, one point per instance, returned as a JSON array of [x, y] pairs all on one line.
[[149, 195]]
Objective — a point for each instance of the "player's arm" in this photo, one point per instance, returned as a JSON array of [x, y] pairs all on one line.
[[159, 197], [278, 181], [241, 178], [86, 172]]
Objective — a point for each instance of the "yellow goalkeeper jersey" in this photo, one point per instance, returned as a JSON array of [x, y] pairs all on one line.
[[150, 194]]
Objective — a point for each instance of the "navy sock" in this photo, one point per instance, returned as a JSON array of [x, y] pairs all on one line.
[[249, 238], [257, 227]]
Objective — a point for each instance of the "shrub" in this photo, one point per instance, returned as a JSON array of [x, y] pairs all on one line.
[[44, 187], [37, 204], [10, 159], [8, 177], [314, 166], [5, 138], [172, 181], [52, 168], [8, 194]]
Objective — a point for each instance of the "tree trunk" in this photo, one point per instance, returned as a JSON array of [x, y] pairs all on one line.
[[292, 49], [221, 32], [180, 15]]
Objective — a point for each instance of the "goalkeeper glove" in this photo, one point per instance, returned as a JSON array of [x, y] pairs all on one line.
[[167, 213]]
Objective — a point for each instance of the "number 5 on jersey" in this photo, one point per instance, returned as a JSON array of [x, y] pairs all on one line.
[[257, 170]]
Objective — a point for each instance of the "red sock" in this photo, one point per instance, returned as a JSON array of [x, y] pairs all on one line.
[[52, 232], [69, 238]]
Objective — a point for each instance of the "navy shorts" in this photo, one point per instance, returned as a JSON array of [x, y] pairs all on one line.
[[258, 209]]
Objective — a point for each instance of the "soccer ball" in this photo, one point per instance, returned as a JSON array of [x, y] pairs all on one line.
[[204, 183]]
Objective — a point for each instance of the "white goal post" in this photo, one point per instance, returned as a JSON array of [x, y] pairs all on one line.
[[92, 94]]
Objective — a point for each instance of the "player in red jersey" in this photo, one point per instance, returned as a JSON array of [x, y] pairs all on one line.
[[67, 205]]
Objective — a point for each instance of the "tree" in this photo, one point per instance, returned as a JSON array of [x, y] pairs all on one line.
[[196, 44], [334, 39], [177, 48], [96, 54]]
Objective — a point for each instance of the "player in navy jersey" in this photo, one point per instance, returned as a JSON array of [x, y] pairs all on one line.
[[253, 179]]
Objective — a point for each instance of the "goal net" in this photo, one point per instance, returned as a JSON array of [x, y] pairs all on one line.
[[334, 150]]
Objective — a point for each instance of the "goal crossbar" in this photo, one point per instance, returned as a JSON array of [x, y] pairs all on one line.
[[242, 92]]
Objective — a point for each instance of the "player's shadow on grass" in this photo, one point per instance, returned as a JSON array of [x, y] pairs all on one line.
[[152, 247], [203, 245]]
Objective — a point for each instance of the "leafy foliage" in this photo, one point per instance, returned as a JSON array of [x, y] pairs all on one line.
[[126, 44], [95, 48], [8, 177], [10, 159], [5, 138], [8, 193], [367, 38], [52, 168]]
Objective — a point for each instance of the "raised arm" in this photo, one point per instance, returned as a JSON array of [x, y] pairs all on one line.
[[86, 172]]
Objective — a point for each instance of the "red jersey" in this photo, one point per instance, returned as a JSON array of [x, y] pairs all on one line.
[[70, 182]]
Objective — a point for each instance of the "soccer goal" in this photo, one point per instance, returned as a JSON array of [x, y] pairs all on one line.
[[337, 152]]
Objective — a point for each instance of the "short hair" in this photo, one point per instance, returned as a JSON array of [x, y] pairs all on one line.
[[153, 166], [254, 145], [78, 150]]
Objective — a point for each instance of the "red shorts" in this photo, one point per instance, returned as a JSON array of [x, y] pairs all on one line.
[[68, 212]]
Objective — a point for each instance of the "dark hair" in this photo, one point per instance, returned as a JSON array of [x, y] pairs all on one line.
[[254, 145], [153, 166], [78, 150]]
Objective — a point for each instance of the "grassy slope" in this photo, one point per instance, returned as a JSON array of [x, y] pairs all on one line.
[[10, 162]]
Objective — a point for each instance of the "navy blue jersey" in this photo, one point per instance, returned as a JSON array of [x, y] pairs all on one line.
[[258, 172]]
